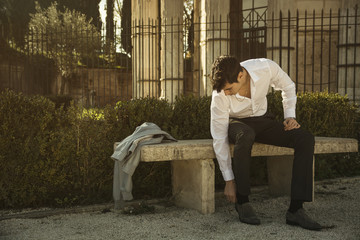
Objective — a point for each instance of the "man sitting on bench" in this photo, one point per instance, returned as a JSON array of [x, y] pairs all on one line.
[[239, 116]]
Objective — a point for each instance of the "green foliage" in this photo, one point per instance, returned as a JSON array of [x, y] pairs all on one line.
[[15, 14], [322, 113], [327, 114], [131, 114], [61, 36], [191, 118], [25, 127], [61, 100], [50, 156]]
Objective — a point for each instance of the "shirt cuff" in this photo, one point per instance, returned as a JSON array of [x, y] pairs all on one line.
[[228, 175], [289, 113]]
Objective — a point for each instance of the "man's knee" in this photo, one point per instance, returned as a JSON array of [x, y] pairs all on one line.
[[245, 137], [304, 137]]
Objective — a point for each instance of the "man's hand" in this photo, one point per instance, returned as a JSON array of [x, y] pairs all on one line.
[[290, 123], [230, 191]]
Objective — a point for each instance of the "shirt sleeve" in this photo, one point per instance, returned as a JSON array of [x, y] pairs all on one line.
[[281, 81], [219, 123]]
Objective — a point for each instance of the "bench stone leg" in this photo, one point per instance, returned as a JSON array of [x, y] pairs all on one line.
[[193, 184], [279, 170], [279, 175]]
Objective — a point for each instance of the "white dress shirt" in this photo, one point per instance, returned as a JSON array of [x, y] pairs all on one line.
[[263, 74]]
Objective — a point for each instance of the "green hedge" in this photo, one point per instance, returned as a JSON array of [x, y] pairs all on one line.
[[56, 156], [322, 113], [191, 118]]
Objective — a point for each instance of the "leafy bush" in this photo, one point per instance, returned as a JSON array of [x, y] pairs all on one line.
[[26, 124], [50, 156], [322, 113], [131, 114], [191, 117]]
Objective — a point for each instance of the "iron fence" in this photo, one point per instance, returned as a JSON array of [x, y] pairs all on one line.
[[319, 51]]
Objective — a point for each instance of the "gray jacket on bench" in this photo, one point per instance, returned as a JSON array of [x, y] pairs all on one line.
[[127, 158]]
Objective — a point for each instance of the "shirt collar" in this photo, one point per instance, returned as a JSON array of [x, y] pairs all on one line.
[[252, 74]]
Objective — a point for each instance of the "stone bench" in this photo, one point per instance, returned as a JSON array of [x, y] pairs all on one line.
[[193, 169]]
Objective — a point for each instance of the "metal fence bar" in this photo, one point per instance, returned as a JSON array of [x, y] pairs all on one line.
[[346, 47], [355, 42], [338, 52], [329, 64], [321, 47], [305, 50], [288, 42], [297, 52]]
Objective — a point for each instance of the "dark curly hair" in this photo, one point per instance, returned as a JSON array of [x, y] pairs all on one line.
[[225, 69]]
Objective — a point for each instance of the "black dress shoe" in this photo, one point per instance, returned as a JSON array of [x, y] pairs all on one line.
[[247, 214], [301, 219]]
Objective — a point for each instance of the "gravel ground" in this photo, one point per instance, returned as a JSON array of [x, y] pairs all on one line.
[[336, 206]]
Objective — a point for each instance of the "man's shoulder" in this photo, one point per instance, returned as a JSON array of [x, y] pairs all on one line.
[[256, 62], [218, 95]]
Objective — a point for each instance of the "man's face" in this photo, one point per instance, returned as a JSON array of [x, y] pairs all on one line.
[[234, 88]]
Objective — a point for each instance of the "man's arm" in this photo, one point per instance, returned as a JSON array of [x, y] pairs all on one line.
[[281, 81], [219, 130]]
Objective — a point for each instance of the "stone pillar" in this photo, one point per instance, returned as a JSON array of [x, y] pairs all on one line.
[[145, 53], [279, 170], [312, 49], [172, 48], [317, 46], [196, 55], [280, 41], [213, 39], [193, 184], [349, 52]]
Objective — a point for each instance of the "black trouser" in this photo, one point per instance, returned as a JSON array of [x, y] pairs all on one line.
[[244, 132]]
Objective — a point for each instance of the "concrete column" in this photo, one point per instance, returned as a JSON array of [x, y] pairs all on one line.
[[214, 37], [318, 63], [194, 184], [196, 55], [172, 48], [349, 52], [280, 41], [279, 170], [296, 46], [145, 53]]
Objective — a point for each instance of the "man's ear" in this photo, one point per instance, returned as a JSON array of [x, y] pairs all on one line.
[[239, 76]]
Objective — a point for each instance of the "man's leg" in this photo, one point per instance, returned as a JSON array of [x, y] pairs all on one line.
[[242, 136], [303, 143]]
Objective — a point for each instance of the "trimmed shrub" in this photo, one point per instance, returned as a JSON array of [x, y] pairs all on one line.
[[191, 117], [130, 114], [83, 151], [50, 156], [322, 113], [26, 125]]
